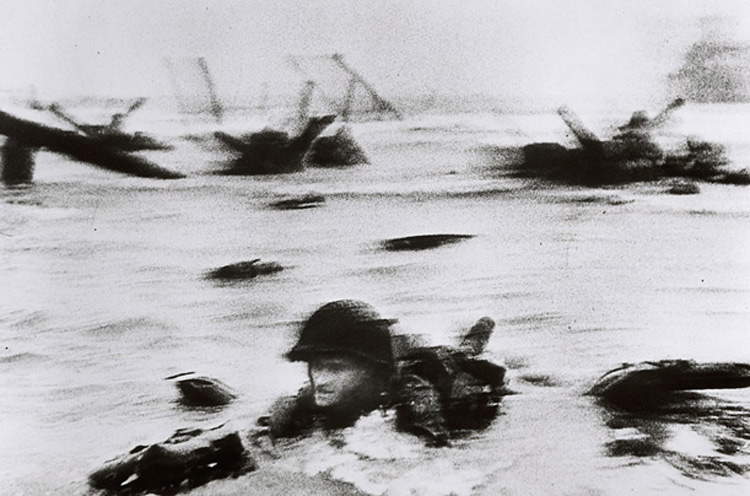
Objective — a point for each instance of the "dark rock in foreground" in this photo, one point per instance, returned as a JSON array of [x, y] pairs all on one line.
[[423, 242], [189, 458], [244, 270], [639, 386], [300, 202], [204, 391]]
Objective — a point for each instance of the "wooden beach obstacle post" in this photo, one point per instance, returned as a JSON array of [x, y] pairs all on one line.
[[380, 104], [18, 162], [344, 108], [24, 138]]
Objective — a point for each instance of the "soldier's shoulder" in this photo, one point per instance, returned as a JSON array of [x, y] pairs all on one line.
[[289, 415]]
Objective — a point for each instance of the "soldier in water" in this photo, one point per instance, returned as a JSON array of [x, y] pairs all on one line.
[[352, 371]]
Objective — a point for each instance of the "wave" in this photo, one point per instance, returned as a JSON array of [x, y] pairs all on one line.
[[125, 326], [717, 213], [535, 320], [24, 319], [25, 357]]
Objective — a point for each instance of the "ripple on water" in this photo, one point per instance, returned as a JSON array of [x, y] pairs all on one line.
[[124, 326], [23, 358]]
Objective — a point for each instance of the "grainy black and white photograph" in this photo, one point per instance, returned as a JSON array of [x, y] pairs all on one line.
[[375, 248]]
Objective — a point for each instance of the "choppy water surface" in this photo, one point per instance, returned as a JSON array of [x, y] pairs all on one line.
[[104, 295]]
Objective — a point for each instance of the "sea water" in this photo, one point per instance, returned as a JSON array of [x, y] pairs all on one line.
[[104, 295]]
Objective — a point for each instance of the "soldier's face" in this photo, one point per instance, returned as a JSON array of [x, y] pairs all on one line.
[[337, 380]]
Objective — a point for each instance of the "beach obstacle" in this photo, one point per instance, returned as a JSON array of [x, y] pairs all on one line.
[[25, 137]]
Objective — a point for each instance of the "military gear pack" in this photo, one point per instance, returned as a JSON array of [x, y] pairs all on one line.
[[445, 390]]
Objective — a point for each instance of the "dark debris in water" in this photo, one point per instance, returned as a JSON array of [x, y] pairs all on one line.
[[645, 386], [599, 199], [25, 201], [300, 202], [244, 270], [423, 242], [189, 458], [204, 391]]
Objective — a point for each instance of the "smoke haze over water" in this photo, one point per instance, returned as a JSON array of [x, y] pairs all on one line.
[[532, 54]]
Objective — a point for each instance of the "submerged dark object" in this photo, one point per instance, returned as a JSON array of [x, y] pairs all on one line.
[[270, 151], [300, 202], [337, 150], [204, 391], [682, 188], [25, 137], [638, 386], [423, 241], [189, 458], [245, 270]]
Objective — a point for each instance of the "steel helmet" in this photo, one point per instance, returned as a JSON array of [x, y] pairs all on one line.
[[348, 327]]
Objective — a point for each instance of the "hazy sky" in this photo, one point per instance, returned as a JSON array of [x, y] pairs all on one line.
[[525, 49]]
